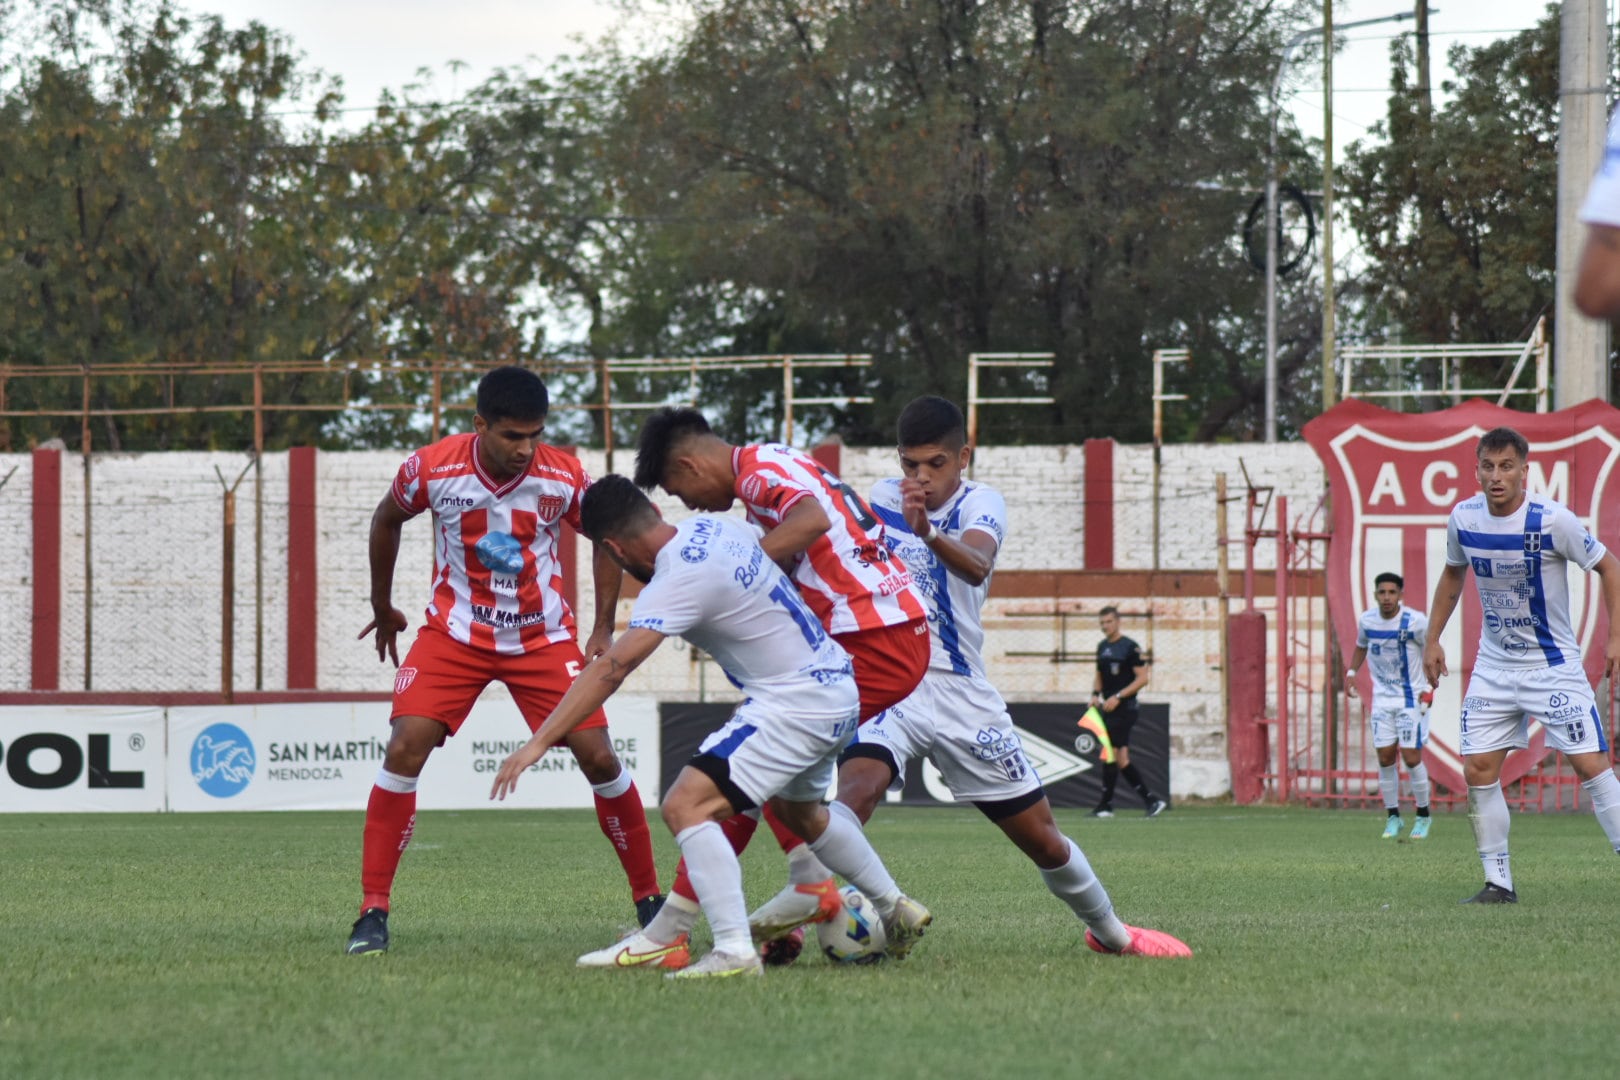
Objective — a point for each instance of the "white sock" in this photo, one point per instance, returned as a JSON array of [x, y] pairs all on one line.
[[804, 868], [1389, 786], [676, 917], [1604, 790], [845, 849], [616, 786], [1075, 884], [1488, 814], [399, 785], [717, 880], [1420, 784]]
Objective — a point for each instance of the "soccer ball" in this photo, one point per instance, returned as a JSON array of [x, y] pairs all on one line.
[[855, 935]]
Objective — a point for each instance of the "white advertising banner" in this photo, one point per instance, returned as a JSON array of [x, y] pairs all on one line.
[[325, 756], [81, 757]]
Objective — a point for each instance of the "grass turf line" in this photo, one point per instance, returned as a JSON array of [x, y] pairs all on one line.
[[211, 945]]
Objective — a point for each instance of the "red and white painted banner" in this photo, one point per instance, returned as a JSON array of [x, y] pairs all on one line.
[[1394, 478]]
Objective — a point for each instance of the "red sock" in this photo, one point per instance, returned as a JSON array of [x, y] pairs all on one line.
[[624, 823], [784, 835], [390, 820], [739, 829]]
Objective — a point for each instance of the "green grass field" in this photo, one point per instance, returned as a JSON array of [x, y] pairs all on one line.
[[192, 945]]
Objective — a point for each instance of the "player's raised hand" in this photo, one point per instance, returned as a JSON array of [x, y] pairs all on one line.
[[506, 777], [1434, 661], [388, 626], [914, 506]]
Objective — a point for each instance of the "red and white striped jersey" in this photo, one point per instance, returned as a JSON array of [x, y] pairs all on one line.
[[848, 576], [497, 575]]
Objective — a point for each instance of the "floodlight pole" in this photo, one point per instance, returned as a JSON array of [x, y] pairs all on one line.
[[1271, 207]]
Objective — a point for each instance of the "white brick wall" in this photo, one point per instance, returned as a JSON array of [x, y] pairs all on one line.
[[157, 559]]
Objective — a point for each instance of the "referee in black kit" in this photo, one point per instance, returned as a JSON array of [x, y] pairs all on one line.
[[1122, 673]]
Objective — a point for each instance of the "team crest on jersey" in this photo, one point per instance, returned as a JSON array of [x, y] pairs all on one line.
[[403, 679], [1394, 479], [551, 507]]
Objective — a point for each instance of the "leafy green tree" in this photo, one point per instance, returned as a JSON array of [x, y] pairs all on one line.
[[1456, 208], [161, 208], [923, 181]]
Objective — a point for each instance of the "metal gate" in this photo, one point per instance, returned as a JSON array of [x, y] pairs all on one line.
[[1320, 750]]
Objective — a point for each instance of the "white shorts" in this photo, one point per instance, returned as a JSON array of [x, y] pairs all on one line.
[[771, 748], [960, 724], [1501, 702], [1393, 724]]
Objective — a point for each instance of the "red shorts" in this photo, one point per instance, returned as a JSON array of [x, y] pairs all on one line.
[[441, 678], [889, 663]]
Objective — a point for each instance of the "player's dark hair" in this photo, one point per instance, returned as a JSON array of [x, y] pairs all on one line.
[[1389, 576], [1109, 610], [930, 421], [512, 393], [662, 432], [613, 506], [1502, 438]]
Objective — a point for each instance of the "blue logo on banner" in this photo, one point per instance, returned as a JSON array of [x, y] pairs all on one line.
[[222, 760]]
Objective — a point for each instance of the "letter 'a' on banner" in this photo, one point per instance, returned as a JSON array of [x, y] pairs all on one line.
[[1394, 477]]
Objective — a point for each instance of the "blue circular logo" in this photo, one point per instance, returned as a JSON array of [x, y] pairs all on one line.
[[693, 553], [222, 760], [1493, 622], [501, 553]]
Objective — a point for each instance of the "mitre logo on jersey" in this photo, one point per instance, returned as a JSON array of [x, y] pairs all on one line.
[[1394, 479], [551, 507]]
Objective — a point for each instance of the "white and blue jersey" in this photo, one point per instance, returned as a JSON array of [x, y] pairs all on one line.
[[953, 604], [714, 585], [1394, 649], [1520, 565]]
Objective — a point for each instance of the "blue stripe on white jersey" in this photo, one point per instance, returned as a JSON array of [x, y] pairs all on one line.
[[934, 580], [1520, 562], [1394, 654], [953, 605]]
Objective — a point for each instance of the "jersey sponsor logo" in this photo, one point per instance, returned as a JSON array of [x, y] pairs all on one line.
[[413, 465], [696, 548], [454, 466], [501, 553], [1395, 480], [647, 622], [1493, 622], [541, 466], [551, 507], [222, 760], [894, 583], [403, 679], [493, 616], [448, 502], [753, 486]]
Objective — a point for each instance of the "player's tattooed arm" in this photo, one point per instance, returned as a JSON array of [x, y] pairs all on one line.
[[594, 686]]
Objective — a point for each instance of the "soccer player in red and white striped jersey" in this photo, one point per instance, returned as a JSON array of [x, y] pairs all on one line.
[[499, 498], [819, 527]]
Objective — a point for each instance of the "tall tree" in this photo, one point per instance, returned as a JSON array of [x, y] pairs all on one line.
[[1456, 210], [925, 180]]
